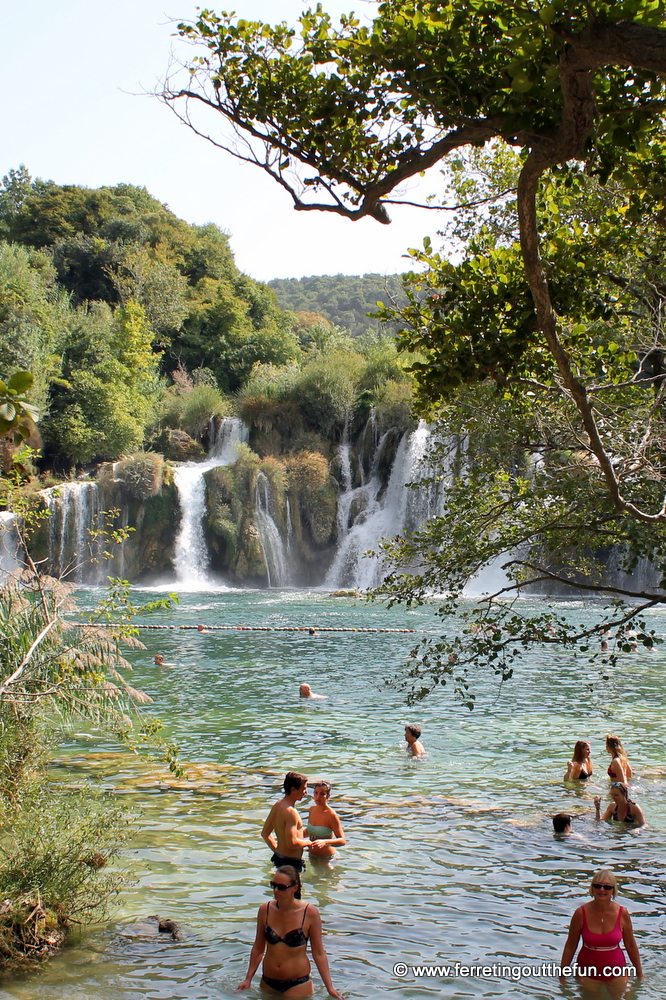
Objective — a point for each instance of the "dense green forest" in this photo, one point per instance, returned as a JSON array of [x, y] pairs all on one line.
[[344, 300], [134, 322]]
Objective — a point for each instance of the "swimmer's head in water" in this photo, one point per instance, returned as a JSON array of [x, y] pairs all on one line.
[[292, 780], [561, 822], [604, 877], [414, 730], [305, 690], [159, 659], [618, 791]]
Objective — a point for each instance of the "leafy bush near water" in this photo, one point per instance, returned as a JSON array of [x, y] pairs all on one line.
[[141, 474], [55, 840], [55, 844]]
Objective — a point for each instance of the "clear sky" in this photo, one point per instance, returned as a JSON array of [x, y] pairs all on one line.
[[74, 75]]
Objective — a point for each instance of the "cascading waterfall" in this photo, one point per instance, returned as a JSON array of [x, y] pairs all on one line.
[[191, 558], [74, 510], [9, 545], [344, 454], [374, 516], [271, 542]]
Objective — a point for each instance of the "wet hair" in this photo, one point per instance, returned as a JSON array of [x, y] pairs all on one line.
[[293, 876], [579, 751], [323, 784], [615, 744], [622, 787], [561, 821], [293, 779], [414, 730], [604, 875]]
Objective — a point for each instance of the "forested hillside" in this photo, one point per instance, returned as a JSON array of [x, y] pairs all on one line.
[[344, 300], [135, 323]]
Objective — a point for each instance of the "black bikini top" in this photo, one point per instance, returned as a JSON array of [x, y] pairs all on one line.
[[292, 939], [583, 776]]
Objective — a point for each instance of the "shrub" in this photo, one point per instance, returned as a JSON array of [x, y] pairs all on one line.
[[268, 414], [394, 406], [141, 474], [326, 389], [311, 485], [191, 411]]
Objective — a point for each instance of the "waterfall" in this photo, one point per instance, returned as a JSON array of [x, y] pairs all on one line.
[[344, 454], [74, 510], [191, 559], [290, 531], [365, 516], [271, 543], [9, 544]]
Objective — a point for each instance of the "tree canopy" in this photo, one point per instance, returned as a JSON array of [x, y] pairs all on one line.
[[347, 301], [541, 343]]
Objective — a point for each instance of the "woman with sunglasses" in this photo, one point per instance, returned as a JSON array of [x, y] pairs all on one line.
[[284, 927], [622, 809], [602, 924]]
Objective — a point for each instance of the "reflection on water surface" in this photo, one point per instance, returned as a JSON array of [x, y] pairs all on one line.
[[450, 858]]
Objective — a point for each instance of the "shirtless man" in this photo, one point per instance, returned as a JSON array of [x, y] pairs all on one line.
[[283, 830], [414, 745], [305, 691]]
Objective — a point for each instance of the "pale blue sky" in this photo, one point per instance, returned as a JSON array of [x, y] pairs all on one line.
[[73, 74]]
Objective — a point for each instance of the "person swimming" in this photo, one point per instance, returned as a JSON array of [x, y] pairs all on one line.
[[413, 737], [622, 809]]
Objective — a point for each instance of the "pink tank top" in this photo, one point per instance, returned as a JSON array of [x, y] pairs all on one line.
[[609, 939], [601, 952]]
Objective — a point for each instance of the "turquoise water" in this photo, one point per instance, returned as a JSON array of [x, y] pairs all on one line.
[[450, 858]]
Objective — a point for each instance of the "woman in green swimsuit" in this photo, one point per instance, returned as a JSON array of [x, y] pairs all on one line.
[[324, 826]]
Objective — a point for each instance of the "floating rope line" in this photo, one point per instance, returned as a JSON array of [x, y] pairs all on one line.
[[257, 628]]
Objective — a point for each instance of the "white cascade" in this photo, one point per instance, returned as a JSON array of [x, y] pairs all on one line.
[[271, 542], [344, 455], [74, 509], [365, 516], [191, 559], [9, 545]]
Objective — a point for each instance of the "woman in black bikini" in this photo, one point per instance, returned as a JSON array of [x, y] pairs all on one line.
[[579, 768], [284, 927], [621, 809]]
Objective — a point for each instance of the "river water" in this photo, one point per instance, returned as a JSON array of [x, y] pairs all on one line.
[[450, 858]]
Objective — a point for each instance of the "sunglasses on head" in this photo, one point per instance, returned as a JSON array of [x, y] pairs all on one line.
[[603, 885], [280, 886]]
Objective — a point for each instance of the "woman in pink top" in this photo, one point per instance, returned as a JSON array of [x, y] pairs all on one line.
[[602, 924]]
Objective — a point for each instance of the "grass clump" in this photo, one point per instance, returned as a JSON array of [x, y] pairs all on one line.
[[141, 474]]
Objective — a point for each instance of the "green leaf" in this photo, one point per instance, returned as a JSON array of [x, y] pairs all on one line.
[[521, 83], [20, 382], [547, 14]]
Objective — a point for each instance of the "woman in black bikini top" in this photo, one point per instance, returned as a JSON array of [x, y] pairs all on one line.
[[579, 768], [283, 946], [621, 809]]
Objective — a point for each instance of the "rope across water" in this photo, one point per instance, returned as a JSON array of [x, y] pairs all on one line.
[[266, 628]]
